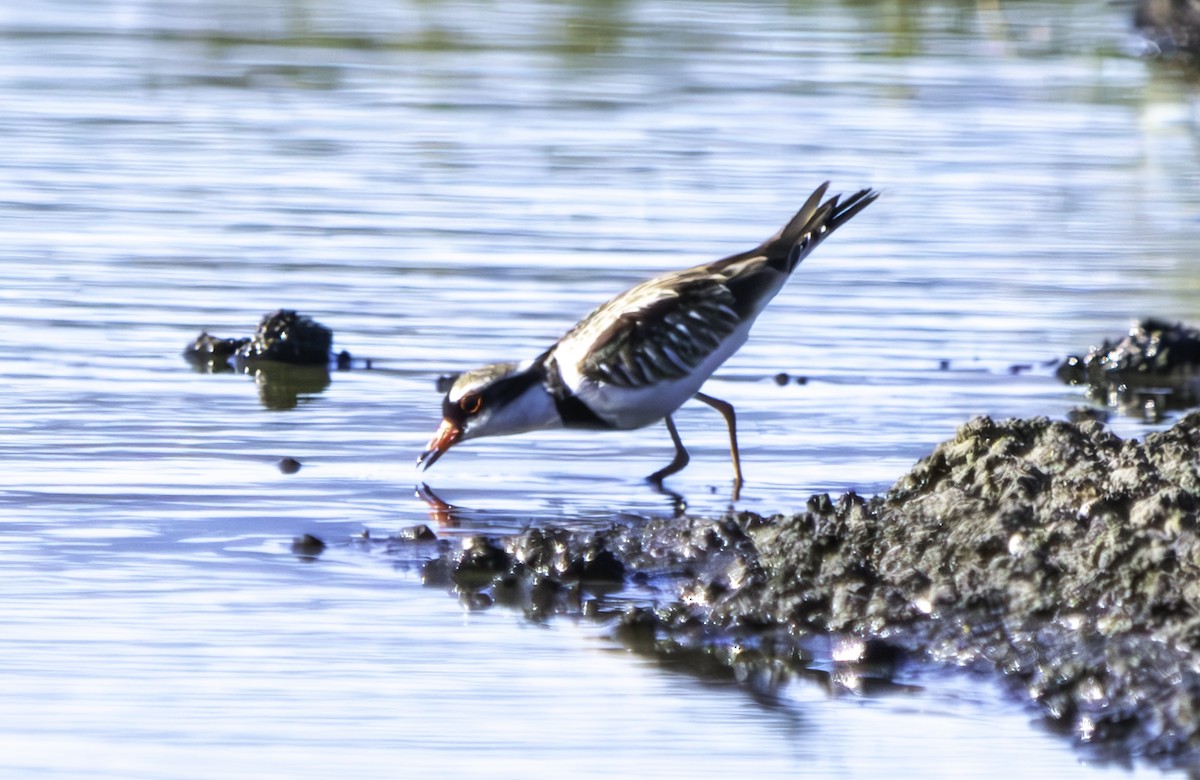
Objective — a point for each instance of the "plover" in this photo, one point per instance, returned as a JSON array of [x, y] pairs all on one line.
[[636, 359]]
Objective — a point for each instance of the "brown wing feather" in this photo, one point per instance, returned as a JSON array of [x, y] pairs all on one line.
[[663, 328], [657, 332]]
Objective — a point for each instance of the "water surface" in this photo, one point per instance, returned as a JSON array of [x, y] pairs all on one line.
[[451, 184]]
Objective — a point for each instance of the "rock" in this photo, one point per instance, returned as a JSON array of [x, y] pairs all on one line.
[[1155, 366], [285, 336], [213, 354], [289, 357], [307, 547], [415, 533]]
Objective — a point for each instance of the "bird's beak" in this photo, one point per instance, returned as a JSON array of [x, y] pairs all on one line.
[[446, 437]]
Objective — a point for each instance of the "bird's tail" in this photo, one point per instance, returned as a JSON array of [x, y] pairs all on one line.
[[812, 224]]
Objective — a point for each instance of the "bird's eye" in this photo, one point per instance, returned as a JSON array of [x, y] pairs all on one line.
[[471, 403]]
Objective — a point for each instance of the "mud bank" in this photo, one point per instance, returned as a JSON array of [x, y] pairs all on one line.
[[1051, 554]]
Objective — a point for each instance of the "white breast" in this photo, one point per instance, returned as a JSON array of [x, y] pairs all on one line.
[[635, 407]]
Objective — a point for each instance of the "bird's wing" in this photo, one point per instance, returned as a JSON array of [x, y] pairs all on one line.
[[662, 329], [656, 331]]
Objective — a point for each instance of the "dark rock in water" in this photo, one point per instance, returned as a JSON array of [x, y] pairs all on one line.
[[287, 337], [1172, 26], [783, 378], [1155, 366], [1152, 348], [289, 465], [480, 561], [283, 336], [212, 353], [289, 356], [1055, 555], [415, 533], [307, 547]]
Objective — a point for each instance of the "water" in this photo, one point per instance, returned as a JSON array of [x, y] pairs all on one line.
[[450, 184]]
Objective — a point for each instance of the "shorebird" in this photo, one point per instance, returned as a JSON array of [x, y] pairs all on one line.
[[636, 359]]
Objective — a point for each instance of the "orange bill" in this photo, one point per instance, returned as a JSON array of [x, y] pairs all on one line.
[[446, 437]]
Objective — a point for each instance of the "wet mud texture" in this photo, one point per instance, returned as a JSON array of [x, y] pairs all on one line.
[[1054, 555], [1153, 368]]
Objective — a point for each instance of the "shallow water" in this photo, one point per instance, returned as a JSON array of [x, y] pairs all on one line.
[[450, 184]]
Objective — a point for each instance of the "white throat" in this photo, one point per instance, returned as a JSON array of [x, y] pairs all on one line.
[[533, 410]]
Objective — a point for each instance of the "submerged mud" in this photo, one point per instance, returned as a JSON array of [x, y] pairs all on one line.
[[1054, 555]]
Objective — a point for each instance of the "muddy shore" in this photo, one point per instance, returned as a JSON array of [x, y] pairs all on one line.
[[1054, 555]]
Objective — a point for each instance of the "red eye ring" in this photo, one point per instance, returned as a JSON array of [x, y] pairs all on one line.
[[471, 403]]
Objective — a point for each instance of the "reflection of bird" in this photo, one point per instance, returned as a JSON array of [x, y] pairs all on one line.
[[637, 358]]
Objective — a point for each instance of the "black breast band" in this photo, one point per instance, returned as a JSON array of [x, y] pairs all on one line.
[[573, 411], [576, 414]]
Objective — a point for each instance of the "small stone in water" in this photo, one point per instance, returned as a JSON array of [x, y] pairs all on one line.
[[308, 546]]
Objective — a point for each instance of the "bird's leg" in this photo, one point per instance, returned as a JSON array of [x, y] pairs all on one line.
[[726, 410], [681, 456]]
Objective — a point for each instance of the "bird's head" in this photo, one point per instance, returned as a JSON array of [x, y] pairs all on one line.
[[491, 401]]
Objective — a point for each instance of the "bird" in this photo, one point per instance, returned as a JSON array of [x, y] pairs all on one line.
[[637, 358]]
